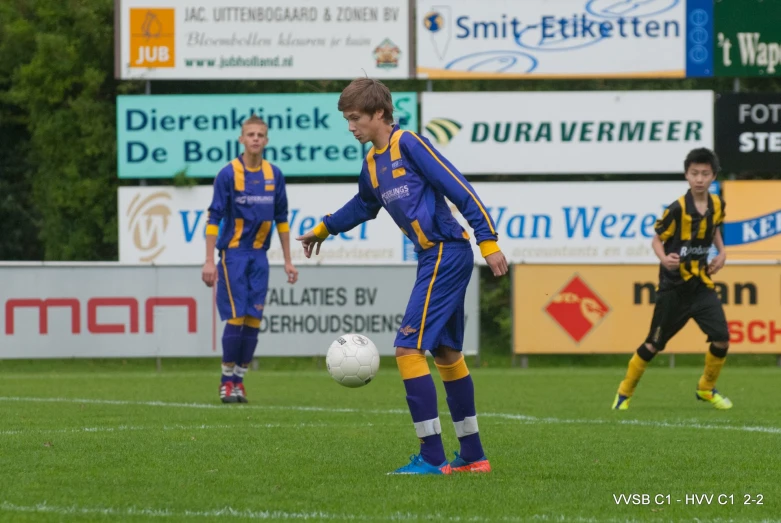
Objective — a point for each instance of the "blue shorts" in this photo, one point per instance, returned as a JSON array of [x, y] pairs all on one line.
[[435, 313], [242, 283]]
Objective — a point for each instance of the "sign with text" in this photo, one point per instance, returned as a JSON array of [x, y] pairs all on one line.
[[748, 38], [576, 222], [167, 225], [112, 311], [752, 227], [262, 39], [161, 135], [568, 132], [568, 309], [564, 39], [748, 132], [541, 222]]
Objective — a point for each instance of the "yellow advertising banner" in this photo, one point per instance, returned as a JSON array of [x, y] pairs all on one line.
[[589, 309], [752, 227]]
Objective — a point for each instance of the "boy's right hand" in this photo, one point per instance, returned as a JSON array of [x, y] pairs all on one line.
[[309, 242], [671, 262], [498, 263]]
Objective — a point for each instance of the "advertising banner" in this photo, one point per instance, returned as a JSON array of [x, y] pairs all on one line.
[[540, 222], [160, 136], [752, 226], [748, 132], [262, 39], [167, 225], [564, 39], [576, 222], [112, 311], [748, 38], [568, 132], [567, 309]]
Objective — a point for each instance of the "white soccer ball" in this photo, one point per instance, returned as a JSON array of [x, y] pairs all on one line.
[[352, 360]]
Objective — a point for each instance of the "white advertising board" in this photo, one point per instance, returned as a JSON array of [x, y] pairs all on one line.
[[167, 225], [122, 311], [577, 222], [595, 132], [557, 39], [537, 222], [262, 39]]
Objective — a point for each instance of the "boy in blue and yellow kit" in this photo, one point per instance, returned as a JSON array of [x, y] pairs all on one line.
[[405, 174], [249, 194]]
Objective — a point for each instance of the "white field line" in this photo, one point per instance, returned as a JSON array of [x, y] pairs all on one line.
[[125, 428], [135, 374], [229, 512], [521, 418]]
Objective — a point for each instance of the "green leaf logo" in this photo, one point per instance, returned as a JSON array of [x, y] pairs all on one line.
[[443, 130]]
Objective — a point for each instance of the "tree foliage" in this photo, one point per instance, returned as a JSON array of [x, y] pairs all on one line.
[[58, 179], [57, 66]]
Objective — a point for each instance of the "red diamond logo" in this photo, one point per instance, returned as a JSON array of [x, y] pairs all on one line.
[[577, 308]]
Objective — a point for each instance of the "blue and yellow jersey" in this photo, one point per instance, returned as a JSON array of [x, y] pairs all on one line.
[[247, 202], [410, 179]]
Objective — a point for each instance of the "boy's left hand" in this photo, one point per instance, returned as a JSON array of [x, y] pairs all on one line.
[[717, 263]]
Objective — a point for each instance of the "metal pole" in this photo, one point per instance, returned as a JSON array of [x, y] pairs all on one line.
[[672, 361]]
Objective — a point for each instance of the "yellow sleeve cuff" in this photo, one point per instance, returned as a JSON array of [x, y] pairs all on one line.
[[212, 230], [283, 227], [321, 232], [489, 247]]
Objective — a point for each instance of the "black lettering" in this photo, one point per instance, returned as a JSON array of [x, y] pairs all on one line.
[[752, 293], [329, 297], [638, 292], [722, 292]]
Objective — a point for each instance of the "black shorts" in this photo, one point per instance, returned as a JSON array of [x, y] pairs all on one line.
[[676, 306]]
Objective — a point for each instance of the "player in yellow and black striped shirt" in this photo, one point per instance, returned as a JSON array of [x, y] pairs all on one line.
[[684, 235]]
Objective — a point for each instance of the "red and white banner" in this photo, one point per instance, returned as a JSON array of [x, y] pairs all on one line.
[[126, 311]]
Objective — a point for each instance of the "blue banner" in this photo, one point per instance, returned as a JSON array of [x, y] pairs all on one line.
[[161, 135], [699, 38], [752, 230]]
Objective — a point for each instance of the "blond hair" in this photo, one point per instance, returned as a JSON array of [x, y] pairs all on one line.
[[253, 119]]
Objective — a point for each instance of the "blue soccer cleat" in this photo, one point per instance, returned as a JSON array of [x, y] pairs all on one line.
[[417, 465]]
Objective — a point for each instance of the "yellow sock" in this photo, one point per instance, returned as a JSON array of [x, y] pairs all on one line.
[[454, 371], [635, 371], [713, 365]]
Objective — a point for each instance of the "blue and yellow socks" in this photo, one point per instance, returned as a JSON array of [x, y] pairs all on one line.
[[239, 341], [249, 340], [461, 400], [231, 350], [422, 401]]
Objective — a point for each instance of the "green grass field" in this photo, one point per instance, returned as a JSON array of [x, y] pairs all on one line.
[[84, 443]]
